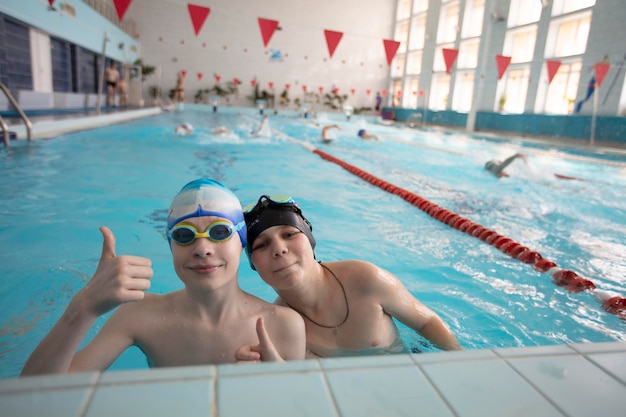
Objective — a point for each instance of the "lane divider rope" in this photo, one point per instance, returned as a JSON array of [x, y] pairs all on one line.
[[570, 280]]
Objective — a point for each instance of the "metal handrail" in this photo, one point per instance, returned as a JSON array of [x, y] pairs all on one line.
[[15, 104], [5, 131]]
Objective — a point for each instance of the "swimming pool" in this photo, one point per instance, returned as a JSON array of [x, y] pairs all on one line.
[[57, 192]]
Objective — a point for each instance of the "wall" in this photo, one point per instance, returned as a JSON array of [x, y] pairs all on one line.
[[85, 28], [230, 45]]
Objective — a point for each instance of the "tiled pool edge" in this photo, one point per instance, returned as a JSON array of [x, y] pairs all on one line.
[[564, 380]]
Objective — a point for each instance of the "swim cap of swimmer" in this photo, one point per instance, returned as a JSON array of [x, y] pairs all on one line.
[[489, 165], [207, 197], [361, 133], [274, 211]]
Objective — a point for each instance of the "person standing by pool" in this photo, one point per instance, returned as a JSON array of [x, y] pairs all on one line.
[[179, 91], [111, 76], [204, 323], [497, 167], [348, 305]]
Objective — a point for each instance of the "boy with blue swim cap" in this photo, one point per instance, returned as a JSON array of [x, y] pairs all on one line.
[[206, 322]]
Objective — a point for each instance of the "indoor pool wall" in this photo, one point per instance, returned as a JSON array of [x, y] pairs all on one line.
[[93, 387]]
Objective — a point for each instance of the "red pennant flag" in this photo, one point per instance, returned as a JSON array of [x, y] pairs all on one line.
[[332, 40], [399, 93], [421, 93], [601, 69], [368, 91], [271, 84], [183, 73], [384, 93], [51, 3], [120, 7], [199, 76], [321, 89], [287, 86], [449, 56], [198, 15], [252, 83], [304, 88], [352, 91], [217, 78], [236, 81], [502, 62], [391, 47], [336, 90], [268, 27], [553, 67]]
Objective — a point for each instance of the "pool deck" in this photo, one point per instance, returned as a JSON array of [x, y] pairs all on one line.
[[578, 380], [562, 380]]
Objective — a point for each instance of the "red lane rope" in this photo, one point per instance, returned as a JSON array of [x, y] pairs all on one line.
[[570, 280]]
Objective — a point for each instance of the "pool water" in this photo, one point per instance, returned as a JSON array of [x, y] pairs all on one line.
[[56, 193]]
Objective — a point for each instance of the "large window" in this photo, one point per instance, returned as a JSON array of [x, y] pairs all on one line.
[[519, 44], [61, 65], [562, 90], [565, 6], [567, 36], [522, 12], [411, 90], [15, 65], [439, 91], [418, 32], [473, 18], [448, 22]]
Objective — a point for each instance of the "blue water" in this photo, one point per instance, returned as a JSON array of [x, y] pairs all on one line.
[[56, 193]]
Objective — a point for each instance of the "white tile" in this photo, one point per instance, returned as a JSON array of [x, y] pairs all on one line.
[[574, 384], [158, 374], [613, 363], [535, 351], [365, 361], [272, 395], [50, 403], [43, 382], [600, 347], [389, 392], [487, 388], [192, 398], [238, 369]]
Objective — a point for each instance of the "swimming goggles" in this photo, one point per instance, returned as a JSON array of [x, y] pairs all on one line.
[[276, 201], [186, 234]]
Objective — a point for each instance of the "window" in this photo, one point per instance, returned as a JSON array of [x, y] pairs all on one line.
[[410, 93], [396, 93], [565, 6], [88, 69], [397, 66], [402, 32], [473, 19], [568, 36], [448, 22], [519, 44], [15, 64], [404, 9], [513, 98], [562, 90], [418, 31], [463, 91], [468, 54], [439, 90], [420, 6], [522, 12], [414, 62], [440, 64], [61, 65]]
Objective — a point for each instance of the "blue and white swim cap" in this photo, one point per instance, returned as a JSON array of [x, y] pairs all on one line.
[[207, 197]]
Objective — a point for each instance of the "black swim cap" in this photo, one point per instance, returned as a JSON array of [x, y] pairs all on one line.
[[268, 213]]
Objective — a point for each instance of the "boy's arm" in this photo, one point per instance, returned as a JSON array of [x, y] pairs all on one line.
[[508, 161], [399, 303], [117, 280]]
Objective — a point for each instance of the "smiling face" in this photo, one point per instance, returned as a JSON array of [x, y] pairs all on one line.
[[205, 263], [282, 255]]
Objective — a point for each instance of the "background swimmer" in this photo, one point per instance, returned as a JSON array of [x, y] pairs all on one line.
[[184, 129]]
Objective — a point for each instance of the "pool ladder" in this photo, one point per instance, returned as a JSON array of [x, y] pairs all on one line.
[[5, 128]]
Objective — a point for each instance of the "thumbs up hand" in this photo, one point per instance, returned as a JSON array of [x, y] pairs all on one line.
[[263, 352], [117, 280]]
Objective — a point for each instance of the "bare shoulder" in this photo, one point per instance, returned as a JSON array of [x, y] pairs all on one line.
[[362, 275]]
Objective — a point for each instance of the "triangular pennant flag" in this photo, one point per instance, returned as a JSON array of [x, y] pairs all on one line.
[[449, 56], [391, 47], [601, 69], [268, 27], [51, 3], [199, 76], [553, 67], [120, 7], [198, 15], [502, 62], [332, 40]]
